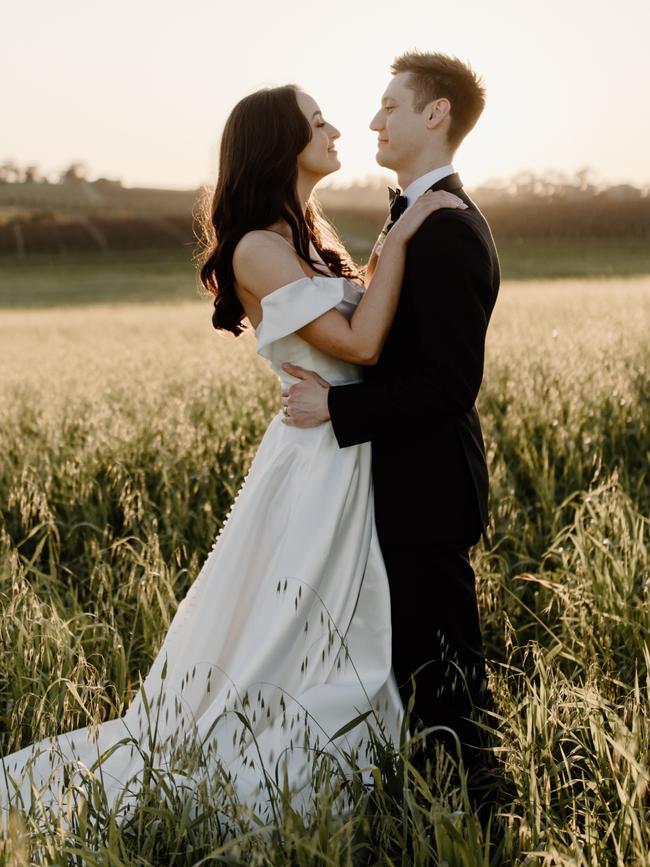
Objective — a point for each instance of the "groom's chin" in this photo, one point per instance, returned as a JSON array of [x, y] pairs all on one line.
[[381, 161]]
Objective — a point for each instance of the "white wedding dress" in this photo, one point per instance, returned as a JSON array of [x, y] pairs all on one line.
[[296, 566]]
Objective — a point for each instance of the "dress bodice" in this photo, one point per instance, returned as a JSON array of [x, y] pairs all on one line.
[[293, 305]]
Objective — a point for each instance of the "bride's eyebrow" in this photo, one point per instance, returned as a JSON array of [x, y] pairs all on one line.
[[318, 111]]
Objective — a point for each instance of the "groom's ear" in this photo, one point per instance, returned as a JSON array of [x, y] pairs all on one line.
[[437, 111]]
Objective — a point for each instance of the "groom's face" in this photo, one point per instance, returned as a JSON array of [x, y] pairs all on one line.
[[401, 131]]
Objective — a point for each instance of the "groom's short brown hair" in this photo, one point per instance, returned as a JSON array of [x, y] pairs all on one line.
[[434, 76]]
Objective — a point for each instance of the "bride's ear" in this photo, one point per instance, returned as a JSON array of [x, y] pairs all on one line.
[[437, 111]]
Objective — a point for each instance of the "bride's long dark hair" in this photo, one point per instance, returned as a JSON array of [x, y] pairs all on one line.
[[256, 186]]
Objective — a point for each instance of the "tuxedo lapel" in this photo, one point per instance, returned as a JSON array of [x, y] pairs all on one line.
[[451, 183]]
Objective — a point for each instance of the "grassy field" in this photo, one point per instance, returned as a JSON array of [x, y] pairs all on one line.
[[90, 278], [125, 433]]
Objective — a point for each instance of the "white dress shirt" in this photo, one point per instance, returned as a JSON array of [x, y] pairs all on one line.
[[419, 185]]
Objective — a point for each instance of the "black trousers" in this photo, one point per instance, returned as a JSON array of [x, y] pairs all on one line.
[[435, 624]]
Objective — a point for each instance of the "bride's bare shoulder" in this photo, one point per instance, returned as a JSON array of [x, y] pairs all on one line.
[[263, 260], [261, 242]]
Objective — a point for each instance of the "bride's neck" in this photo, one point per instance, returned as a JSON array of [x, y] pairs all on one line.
[[304, 189]]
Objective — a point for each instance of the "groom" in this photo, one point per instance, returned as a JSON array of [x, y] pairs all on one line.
[[416, 405]]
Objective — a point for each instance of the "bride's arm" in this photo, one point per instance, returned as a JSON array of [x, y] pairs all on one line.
[[361, 338], [372, 264], [264, 263]]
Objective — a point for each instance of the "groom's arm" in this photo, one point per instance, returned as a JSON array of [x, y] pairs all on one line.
[[448, 270]]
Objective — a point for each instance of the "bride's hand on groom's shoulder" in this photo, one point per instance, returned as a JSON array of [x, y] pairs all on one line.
[[412, 218]]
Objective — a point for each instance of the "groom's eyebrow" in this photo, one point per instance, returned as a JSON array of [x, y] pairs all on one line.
[[386, 99]]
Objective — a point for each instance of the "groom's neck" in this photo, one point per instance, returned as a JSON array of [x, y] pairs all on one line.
[[426, 163]]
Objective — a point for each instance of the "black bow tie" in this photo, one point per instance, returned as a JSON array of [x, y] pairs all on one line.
[[398, 203]]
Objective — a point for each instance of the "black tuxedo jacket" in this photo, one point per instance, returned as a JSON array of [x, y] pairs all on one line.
[[417, 404]]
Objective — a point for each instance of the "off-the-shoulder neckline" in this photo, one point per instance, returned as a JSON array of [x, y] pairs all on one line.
[[299, 280]]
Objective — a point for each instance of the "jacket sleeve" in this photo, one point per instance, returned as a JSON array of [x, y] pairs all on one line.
[[448, 273]]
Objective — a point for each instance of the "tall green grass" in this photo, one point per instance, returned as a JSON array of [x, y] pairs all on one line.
[[125, 435]]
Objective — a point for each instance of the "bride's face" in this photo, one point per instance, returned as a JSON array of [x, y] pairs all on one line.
[[319, 158]]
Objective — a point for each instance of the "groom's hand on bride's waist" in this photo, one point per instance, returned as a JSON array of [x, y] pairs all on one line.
[[304, 404]]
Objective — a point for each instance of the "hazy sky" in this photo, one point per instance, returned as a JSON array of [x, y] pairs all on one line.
[[139, 89]]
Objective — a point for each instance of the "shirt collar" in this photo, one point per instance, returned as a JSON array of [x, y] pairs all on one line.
[[419, 185]]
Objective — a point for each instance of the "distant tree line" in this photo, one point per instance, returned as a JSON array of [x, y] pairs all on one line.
[[13, 173], [77, 215], [370, 194]]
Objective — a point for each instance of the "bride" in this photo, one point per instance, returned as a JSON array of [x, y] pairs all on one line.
[[287, 626]]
